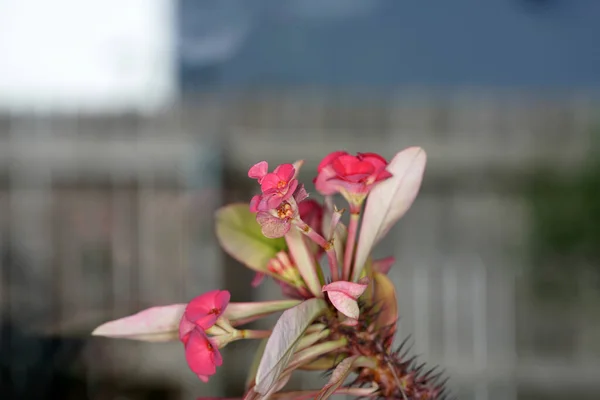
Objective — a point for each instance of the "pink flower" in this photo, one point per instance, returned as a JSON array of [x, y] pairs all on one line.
[[343, 296], [204, 310], [354, 175], [201, 354], [276, 187], [201, 313]]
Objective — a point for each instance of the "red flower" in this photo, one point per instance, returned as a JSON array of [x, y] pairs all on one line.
[[201, 313], [354, 175], [201, 354], [204, 310]]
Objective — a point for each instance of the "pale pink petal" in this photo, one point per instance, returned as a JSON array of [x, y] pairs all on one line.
[[300, 195], [203, 378], [267, 199], [254, 202], [185, 328], [351, 289], [323, 183], [285, 172], [384, 265], [258, 170], [272, 227], [344, 304]]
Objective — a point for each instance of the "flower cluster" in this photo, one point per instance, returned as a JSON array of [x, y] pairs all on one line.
[[201, 314], [340, 310]]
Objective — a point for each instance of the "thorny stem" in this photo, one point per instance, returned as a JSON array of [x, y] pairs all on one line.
[[326, 245], [255, 334], [397, 379], [350, 242]]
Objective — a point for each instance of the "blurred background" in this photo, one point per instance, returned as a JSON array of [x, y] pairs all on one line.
[[125, 124]]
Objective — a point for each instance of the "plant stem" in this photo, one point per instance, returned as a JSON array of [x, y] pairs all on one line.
[[350, 242], [254, 334], [326, 245]]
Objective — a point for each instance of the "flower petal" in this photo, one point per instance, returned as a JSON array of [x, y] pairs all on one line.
[[258, 170], [300, 196], [351, 289], [272, 227], [285, 172], [199, 354], [291, 188], [344, 304], [185, 328], [206, 308], [329, 158], [322, 181], [254, 202], [270, 181]]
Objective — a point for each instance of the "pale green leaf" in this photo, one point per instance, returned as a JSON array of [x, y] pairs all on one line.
[[241, 237], [389, 201], [305, 261], [286, 334]]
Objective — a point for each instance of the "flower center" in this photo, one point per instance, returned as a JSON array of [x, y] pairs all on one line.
[[285, 211], [215, 311], [281, 184]]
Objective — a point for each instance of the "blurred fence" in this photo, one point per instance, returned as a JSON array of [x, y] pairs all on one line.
[[101, 216]]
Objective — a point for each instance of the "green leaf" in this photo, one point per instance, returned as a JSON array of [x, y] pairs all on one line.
[[242, 313], [305, 261], [240, 236], [282, 343], [339, 375]]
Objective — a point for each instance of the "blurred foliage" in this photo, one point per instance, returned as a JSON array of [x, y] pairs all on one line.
[[565, 210]]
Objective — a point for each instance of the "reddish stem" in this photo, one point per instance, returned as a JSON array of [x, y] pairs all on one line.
[[350, 242], [326, 245]]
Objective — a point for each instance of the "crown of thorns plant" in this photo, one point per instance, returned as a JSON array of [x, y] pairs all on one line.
[[340, 312]]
